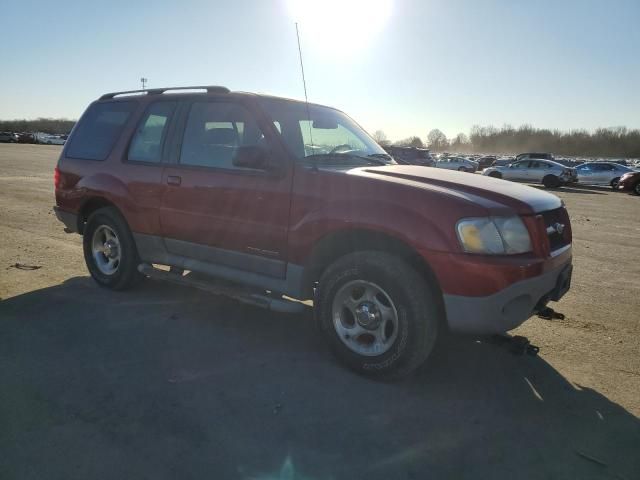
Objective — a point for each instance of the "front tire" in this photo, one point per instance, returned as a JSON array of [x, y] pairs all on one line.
[[378, 314], [495, 175], [109, 250], [614, 183], [636, 188], [551, 181]]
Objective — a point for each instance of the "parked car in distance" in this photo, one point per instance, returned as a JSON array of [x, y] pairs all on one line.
[[531, 156], [502, 162], [457, 163], [601, 173], [8, 137], [53, 139], [630, 182], [25, 137], [410, 155], [548, 173], [486, 161], [290, 200]]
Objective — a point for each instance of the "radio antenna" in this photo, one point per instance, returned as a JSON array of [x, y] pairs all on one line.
[[304, 84]]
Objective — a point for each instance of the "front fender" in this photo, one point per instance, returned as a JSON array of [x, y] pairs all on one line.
[[407, 225]]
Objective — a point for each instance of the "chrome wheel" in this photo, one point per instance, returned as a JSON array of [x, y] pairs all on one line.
[[105, 248], [364, 317]]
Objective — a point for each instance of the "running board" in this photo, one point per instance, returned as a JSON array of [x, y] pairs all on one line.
[[244, 295]]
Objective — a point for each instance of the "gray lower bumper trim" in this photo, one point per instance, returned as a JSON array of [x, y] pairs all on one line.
[[70, 220], [501, 311]]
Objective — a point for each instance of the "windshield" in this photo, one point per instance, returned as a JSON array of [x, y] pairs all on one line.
[[323, 134]]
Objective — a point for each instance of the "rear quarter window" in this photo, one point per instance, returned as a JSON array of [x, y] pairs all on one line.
[[99, 129]]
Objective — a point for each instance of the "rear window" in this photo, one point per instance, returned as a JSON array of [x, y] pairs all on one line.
[[99, 129]]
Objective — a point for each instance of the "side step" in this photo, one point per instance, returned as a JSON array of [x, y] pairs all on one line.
[[242, 294]]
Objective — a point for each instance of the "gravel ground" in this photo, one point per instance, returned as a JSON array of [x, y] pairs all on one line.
[[166, 382]]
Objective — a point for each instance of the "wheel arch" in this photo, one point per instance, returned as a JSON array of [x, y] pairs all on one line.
[[340, 243], [91, 205]]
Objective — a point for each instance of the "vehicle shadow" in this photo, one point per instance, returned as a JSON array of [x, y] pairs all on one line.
[[166, 382]]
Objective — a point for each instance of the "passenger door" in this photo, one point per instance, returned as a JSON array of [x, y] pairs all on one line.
[[585, 174], [217, 208], [536, 170], [517, 171], [604, 173]]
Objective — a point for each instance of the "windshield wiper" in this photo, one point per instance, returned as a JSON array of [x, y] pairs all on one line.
[[386, 156], [371, 160]]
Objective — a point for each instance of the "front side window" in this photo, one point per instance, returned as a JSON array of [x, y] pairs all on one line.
[[324, 135], [99, 129], [147, 142], [215, 132]]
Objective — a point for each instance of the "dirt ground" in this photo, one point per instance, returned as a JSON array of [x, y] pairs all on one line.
[[166, 382]]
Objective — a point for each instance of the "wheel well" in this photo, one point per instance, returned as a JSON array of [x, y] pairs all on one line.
[[338, 244], [89, 207]]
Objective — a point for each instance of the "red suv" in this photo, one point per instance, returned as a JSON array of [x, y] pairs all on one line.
[[286, 200]]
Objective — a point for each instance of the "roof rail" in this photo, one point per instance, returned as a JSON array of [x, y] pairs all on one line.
[[158, 91]]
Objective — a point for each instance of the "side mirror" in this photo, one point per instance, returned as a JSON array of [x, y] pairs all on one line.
[[252, 156]]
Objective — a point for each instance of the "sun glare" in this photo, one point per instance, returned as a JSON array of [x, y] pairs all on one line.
[[340, 26]]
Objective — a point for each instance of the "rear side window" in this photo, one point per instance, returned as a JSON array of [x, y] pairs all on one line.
[[146, 145], [97, 132]]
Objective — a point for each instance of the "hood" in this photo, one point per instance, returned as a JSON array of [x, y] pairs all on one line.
[[491, 193]]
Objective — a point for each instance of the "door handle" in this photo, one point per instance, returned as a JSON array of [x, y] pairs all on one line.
[[174, 180]]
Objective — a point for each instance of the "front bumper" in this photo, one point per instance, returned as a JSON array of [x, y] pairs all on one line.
[[69, 219], [510, 307]]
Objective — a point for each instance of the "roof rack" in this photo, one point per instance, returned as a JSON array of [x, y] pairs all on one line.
[[158, 91]]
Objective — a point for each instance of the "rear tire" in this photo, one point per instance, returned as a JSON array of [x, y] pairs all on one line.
[[110, 251], [551, 181], [389, 329]]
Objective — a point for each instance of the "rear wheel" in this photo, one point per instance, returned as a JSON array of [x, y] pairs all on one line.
[[109, 250], [378, 314], [551, 181], [614, 183]]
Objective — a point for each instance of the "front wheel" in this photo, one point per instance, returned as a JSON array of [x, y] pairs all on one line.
[[495, 175], [109, 250], [551, 181], [614, 183], [378, 314], [462, 169], [636, 188]]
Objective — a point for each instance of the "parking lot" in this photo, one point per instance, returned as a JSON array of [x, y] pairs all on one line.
[[166, 382]]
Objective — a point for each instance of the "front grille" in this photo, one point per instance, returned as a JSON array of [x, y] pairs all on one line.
[[555, 220]]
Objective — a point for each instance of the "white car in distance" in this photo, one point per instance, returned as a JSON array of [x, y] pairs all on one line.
[[457, 163]]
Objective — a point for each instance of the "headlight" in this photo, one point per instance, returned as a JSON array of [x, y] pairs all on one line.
[[493, 235]]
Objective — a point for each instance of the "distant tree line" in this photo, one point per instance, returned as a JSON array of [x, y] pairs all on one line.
[[45, 125], [602, 142]]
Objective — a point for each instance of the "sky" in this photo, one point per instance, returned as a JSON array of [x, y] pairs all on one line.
[[401, 66]]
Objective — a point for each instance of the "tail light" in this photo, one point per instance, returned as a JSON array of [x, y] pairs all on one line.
[[56, 178]]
